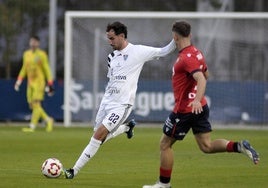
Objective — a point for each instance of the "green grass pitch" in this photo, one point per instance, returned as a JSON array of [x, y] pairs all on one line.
[[127, 163]]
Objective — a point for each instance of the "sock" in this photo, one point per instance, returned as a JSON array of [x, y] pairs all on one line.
[[32, 126], [233, 147], [35, 113], [120, 130], [165, 175], [90, 150]]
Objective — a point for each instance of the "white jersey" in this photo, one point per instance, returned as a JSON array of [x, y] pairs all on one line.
[[124, 68]]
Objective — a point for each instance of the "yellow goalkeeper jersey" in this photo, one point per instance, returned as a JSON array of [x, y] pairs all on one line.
[[35, 67]]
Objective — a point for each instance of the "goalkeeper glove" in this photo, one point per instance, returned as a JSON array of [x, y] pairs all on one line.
[[17, 85], [50, 89]]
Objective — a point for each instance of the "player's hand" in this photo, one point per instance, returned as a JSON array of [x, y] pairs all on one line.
[[196, 107], [50, 90], [17, 86]]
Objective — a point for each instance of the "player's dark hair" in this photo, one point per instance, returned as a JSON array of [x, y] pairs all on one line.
[[118, 28], [35, 37], [182, 28]]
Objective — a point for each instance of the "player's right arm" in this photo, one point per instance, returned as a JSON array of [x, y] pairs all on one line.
[[201, 88], [21, 75]]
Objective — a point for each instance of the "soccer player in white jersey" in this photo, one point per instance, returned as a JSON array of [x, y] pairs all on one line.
[[124, 66]]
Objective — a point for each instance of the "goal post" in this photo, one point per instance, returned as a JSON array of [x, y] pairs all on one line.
[[67, 70], [93, 19]]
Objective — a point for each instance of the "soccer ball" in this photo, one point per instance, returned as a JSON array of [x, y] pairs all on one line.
[[52, 168]]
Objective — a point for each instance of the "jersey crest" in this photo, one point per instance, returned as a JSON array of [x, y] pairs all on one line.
[[125, 57]]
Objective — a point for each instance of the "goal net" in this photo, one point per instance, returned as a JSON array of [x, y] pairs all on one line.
[[234, 45]]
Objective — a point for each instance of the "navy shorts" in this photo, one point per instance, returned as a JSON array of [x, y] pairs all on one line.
[[177, 125]]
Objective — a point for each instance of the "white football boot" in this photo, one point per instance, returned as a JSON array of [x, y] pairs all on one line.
[[158, 185], [248, 150]]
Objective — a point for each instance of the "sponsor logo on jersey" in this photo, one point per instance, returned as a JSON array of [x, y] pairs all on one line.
[[120, 77], [113, 90]]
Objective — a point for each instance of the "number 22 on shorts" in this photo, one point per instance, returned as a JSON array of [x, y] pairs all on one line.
[[113, 118]]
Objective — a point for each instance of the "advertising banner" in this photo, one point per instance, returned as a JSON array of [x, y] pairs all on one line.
[[230, 102]]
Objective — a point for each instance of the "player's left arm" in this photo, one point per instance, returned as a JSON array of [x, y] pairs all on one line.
[[201, 88], [167, 49], [48, 75], [149, 53]]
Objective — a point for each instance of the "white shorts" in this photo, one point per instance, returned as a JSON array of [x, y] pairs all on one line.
[[112, 116]]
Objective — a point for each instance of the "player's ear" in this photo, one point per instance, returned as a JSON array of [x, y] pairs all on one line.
[[175, 36], [122, 35]]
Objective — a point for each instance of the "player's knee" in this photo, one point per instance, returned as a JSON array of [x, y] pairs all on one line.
[[35, 104], [165, 144], [101, 133]]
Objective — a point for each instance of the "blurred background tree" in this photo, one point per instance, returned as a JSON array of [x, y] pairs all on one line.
[[18, 20], [21, 18]]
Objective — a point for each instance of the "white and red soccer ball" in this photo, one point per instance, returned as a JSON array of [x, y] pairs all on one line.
[[52, 168]]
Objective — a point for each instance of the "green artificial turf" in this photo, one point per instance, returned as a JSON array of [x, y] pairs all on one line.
[[127, 163]]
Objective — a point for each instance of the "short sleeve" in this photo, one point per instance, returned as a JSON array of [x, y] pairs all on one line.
[[192, 64]]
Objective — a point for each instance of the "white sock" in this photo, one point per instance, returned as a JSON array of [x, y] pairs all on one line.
[[120, 130], [89, 151], [32, 126]]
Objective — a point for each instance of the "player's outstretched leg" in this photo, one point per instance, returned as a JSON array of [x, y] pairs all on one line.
[[248, 150], [87, 154], [131, 124], [158, 185]]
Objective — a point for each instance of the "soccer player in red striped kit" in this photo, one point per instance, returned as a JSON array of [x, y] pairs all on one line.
[[191, 111]]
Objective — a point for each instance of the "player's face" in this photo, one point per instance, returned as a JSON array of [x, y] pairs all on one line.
[[181, 41], [34, 43], [116, 41]]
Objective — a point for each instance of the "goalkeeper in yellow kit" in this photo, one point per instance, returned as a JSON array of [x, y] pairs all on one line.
[[36, 68]]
